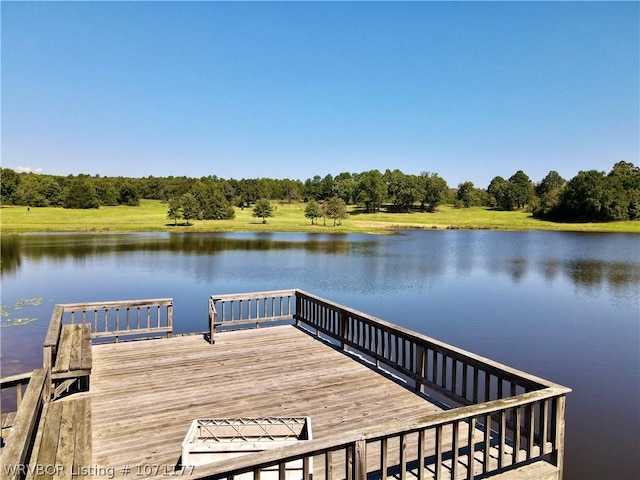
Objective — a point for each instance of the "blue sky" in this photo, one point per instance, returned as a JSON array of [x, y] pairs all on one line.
[[468, 90]]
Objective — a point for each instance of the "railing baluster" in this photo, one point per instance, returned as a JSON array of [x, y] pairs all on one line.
[[476, 384], [384, 458], [403, 456], [454, 447], [421, 449], [516, 435], [328, 465], [470, 449], [487, 443], [349, 467], [454, 375], [544, 425], [438, 452], [502, 433]]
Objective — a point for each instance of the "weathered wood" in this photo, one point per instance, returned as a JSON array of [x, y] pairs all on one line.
[[62, 448], [449, 351], [360, 416], [15, 380], [15, 452]]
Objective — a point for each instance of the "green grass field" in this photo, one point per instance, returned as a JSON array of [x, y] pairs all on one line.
[[151, 215]]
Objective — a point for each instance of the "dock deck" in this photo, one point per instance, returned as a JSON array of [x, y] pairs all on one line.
[[371, 416], [144, 395]]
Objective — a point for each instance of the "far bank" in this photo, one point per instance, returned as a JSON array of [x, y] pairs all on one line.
[[151, 216]]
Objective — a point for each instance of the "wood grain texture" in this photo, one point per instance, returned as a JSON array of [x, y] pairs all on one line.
[[146, 394]]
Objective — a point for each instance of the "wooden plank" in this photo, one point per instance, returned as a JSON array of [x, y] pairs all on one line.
[[8, 419], [66, 438], [63, 355], [15, 453], [90, 306], [50, 439], [14, 380], [75, 353], [53, 332], [295, 373], [86, 356], [84, 447]]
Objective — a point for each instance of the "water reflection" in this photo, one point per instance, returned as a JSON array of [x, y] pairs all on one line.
[[38, 247], [589, 262], [533, 300]]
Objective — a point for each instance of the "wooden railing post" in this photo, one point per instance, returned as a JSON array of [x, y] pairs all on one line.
[[47, 366], [360, 460], [344, 329], [557, 457], [213, 318], [298, 308], [170, 320]]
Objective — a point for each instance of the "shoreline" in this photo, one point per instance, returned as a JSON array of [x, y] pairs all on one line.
[[151, 216]]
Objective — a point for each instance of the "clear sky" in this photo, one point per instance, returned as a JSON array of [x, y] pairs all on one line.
[[468, 90]]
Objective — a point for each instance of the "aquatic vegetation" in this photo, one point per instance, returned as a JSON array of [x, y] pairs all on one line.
[[16, 322], [20, 304], [5, 312]]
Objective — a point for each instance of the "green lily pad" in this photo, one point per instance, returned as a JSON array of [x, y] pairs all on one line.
[[27, 302], [16, 322]]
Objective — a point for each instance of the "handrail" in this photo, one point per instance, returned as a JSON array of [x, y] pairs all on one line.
[[14, 454], [112, 324], [17, 381], [105, 320], [383, 433], [250, 308], [521, 416], [425, 360]]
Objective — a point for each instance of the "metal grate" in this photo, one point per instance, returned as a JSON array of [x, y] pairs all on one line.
[[269, 429]]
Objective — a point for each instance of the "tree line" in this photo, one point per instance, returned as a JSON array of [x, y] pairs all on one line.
[[591, 196]]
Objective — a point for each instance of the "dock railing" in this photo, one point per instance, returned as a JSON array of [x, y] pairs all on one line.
[[412, 449], [242, 310], [502, 416], [140, 318], [24, 425]]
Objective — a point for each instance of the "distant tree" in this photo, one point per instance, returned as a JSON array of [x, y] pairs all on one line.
[[189, 207], [371, 190], [9, 181], [404, 190], [547, 195], [312, 211], [106, 191], [625, 178], [324, 208], [434, 189], [522, 188], [498, 189], [327, 187], [40, 190], [80, 194], [263, 209], [313, 188], [175, 210], [591, 196], [336, 209], [466, 193], [128, 194], [345, 186], [212, 204], [552, 181]]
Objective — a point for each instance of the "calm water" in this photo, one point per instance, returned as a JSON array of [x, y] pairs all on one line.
[[563, 306]]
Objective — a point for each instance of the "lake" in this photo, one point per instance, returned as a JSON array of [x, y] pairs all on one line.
[[564, 306]]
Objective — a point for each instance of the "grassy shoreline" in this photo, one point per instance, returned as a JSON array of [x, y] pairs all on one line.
[[151, 216]]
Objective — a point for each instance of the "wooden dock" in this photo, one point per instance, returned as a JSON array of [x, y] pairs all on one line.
[[370, 417]]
